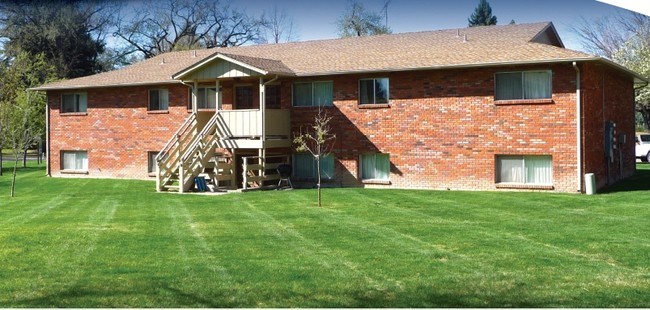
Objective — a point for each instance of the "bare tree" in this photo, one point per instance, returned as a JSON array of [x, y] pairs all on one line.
[[318, 141], [280, 27], [357, 21], [159, 27], [625, 39]]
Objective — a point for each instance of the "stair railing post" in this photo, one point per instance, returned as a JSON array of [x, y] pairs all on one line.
[[245, 173], [158, 181]]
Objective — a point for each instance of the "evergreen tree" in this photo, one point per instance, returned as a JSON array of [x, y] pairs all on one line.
[[482, 15]]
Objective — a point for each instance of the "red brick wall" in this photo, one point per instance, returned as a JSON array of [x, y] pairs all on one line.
[[443, 129], [117, 131], [607, 96]]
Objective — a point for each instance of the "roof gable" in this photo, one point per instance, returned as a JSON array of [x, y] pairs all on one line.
[[221, 65]]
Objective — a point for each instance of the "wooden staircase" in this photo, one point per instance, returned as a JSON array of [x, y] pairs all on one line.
[[191, 153]]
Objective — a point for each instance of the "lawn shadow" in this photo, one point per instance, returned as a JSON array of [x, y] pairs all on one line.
[[640, 181]]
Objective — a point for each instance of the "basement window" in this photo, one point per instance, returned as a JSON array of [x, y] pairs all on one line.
[[74, 161], [152, 166], [524, 170], [375, 168], [304, 166]]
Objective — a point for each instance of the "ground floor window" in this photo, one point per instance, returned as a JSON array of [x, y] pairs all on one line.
[[375, 166], [74, 160], [152, 166], [304, 166], [533, 170]]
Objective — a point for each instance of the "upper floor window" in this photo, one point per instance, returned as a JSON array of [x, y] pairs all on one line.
[[313, 94], [523, 85], [206, 97], [272, 96], [373, 91], [244, 97], [533, 170], [158, 100], [71, 103]]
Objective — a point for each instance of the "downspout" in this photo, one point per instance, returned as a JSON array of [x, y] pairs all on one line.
[[578, 129], [47, 137], [191, 86]]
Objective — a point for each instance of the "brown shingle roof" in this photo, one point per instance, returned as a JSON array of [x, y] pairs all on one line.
[[467, 47]]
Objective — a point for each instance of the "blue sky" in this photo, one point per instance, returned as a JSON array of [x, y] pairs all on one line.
[[316, 19]]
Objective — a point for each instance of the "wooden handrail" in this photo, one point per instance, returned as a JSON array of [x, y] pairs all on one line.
[[179, 133]]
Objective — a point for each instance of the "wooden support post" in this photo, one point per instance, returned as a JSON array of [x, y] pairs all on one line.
[[263, 109], [217, 105], [195, 96], [245, 173]]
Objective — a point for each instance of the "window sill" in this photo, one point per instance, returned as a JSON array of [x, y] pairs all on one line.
[[524, 186], [374, 106], [158, 112], [376, 181], [74, 113], [74, 172], [151, 174], [206, 110], [523, 101], [311, 106]]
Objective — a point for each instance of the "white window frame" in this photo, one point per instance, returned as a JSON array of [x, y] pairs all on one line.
[[373, 176], [374, 90], [80, 102], [80, 161], [160, 102], [311, 103], [524, 170], [523, 84]]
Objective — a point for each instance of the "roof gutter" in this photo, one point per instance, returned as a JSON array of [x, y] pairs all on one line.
[[578, 129]]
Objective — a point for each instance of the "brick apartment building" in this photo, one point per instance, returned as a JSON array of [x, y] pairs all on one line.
[[483, 108]]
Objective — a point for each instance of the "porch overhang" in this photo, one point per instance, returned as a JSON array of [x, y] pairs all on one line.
[[221, 66]]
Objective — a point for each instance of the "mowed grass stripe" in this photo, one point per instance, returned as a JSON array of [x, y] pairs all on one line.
[[117, 243]]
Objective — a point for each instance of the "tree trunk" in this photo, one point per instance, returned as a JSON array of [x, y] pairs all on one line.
[[318, 184], [13, 178], [25, 158], [0, 161]]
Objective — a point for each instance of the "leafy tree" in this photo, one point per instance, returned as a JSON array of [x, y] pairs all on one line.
[[357, 21], [162, 26], [625, 39], [482, 15], [70, 33], [22, 112], [318, 142]]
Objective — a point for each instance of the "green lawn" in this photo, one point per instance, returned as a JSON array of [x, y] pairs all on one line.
[[112, 243]]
